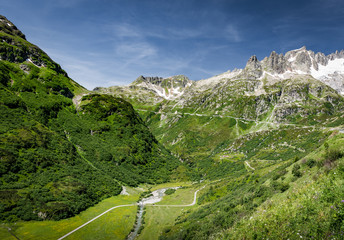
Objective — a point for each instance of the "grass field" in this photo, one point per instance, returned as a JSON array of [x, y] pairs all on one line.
[[159, 218], [113, 225]]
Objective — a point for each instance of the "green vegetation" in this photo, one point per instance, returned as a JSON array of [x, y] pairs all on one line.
[[272, 163], [58, 159], [293, 199], [159, 219], [170, 191], [115, 224]]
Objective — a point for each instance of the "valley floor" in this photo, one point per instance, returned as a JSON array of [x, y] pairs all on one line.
[[108, 220]]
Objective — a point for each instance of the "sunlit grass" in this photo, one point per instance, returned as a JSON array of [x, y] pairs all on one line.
[[113, 225], [159, 218]]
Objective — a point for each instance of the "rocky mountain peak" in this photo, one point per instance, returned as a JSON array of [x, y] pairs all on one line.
[[153, 80], [168, 88], [8, 27], [253, 68], [275, 63]]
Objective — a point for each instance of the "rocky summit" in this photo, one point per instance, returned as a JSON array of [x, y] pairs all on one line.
[[299, 87], [259, 150]]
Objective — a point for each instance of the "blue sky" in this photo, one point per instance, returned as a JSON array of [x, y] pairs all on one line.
[[112, 42]]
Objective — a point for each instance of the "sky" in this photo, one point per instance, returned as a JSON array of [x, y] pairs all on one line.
[[112, 42]]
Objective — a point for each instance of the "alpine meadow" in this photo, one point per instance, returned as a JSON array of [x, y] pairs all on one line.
[[252, 153]]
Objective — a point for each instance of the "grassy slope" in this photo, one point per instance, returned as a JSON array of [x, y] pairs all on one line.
[[273, 200], [313, 207], [113, 225], [46, 142], [158, 219]]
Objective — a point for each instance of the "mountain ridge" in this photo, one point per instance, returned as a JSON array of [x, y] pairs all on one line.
[[329, 69]]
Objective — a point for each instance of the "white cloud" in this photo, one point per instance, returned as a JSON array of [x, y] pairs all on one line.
[[232, 33], [137, 50], [125, 30]]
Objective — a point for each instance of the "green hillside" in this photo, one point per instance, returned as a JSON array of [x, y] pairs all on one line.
[[57, 158]]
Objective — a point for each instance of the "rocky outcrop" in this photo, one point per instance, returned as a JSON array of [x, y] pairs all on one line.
[[153, 80], [253, 69], [275, 63], [15, 48], [9, 28], [167, 88]]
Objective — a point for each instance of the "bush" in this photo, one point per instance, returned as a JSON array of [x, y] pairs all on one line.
[[310, 163], [333, 155], [170, 191], [284, 187], [296, 171]]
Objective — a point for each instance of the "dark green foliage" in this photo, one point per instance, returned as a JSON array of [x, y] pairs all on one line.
[[170, 191], [333, 154], [57, 161], [241, 198], [296, 170], [310, 163]]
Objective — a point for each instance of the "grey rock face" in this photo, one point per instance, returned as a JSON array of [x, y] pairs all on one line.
[[275, 63], [303, 61], [253, 69], [24, 67], [336, 55], [321, 59], [153, 80], [168, 88]]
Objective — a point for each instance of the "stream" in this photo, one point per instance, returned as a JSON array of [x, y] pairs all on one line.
[[154, 198], [138, 224]]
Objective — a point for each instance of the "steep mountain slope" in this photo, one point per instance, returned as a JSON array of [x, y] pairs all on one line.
[[279, 91], [58, 159], [289, 199], [272, 136]]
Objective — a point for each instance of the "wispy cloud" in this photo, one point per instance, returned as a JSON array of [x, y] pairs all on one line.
[[89, 72], [138, 49], [232, 33], [124, 30]]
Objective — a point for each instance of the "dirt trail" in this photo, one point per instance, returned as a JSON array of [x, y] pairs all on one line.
[[249, 165], [141, 203]]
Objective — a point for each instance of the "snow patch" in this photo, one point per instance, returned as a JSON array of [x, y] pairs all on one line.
[[292, 59], [168, 93], [336, 65], [29, 60]]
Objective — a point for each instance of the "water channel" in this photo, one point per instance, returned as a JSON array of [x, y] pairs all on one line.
[[155, 197]]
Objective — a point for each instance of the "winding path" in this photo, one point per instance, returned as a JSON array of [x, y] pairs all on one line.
[[134, 204], [186, 205], [83, 225], [249, 165]]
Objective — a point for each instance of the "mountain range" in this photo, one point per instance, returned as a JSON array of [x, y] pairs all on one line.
[[268, 140], [298, 88]]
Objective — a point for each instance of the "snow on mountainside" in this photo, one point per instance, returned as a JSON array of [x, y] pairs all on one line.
[[277, 67], [328, 69], [296, 64], [168, 88]]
